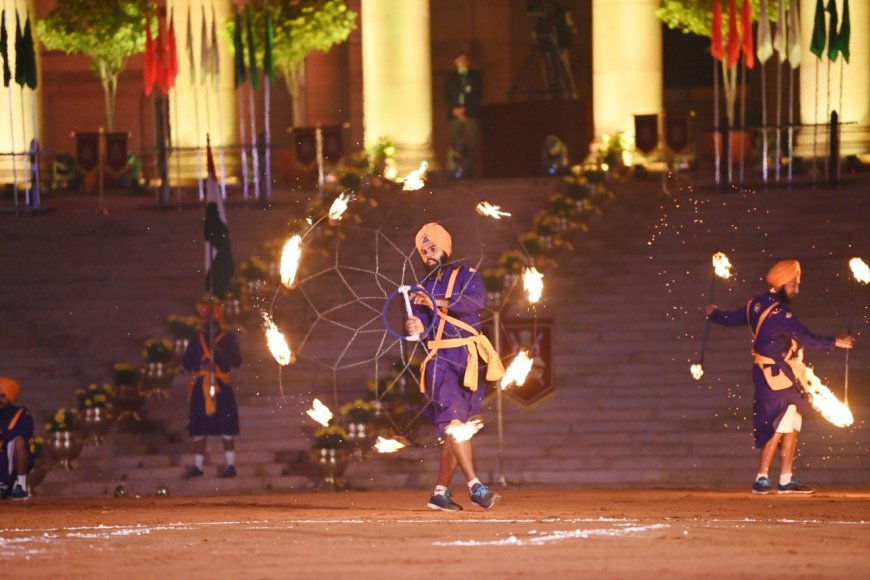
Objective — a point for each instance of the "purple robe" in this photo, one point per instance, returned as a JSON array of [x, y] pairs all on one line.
[[448, 398], [23, 428], [227, 356], [774, 341]]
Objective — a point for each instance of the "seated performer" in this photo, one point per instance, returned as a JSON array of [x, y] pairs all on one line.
[[213, 409], [16, 429], [779, 405], [450, 373]]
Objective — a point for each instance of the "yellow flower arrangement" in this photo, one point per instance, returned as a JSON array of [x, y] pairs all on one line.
[[95, 397], [63, 420]]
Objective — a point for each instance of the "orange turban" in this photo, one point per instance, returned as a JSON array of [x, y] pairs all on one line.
[[433, 233], [783, 272], [9, 387]]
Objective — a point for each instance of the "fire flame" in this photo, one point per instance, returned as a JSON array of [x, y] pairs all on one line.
[[821, 398], [383, 445], [320, 413], [697, 371], [339, 206], [486, 209], [533, 283], [464, 431], [518, 370], [722, 265], [860, 270], [290, 256], [416, 179], [277, 343]]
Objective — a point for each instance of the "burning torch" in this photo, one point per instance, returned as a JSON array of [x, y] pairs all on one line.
[[721, 269]]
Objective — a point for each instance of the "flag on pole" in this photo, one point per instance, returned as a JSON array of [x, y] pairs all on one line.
[[780, 38], [746, 25], [794, 35], [219, 266], [20, 79], [252, 52], [833, 41], [239, 49], [204, 50], [764, 48], [733, 49], [4, 49], [160, 71], [817, 44], [214, 55], [28, 54], [149, 68], [844, 36], [171, 53], [188, 45], [716, 49], [268, 65]]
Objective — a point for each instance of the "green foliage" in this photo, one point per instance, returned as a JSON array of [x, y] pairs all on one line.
[[299, 28], [359, 411], [125, 374], [157, 350], [331, 437], [696, 16], [184, 327]]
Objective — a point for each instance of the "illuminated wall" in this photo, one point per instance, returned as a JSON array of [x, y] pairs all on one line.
[[397, 77], [626, 63], [820, 80], [16, 105]]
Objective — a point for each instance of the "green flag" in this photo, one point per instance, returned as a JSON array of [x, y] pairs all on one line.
[[20, 79], [239, 49], [29, 55], [833, 42], [252, 52], [268, 65], [4, 49], [817, 44], [845, 33]]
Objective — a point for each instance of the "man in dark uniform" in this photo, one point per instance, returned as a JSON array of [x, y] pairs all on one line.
[[16, 429], [213, 409], [779, 404], [463, 90], [458, 354]]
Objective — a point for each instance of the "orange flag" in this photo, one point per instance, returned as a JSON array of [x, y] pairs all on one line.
[[149, 68], [746, 25], [733, 49], [716, 49]]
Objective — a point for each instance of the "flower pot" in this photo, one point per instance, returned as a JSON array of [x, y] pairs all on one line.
[[179, 347], [156, 378], [96, 422], [331, 465], [127, 401], [359, 438], [64, 446]]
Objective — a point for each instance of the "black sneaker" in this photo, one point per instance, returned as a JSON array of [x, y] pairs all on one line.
[[230, 471], [794, 486], [18, 492], [193, 472], [444, 502], [762, 486], [481, 496]]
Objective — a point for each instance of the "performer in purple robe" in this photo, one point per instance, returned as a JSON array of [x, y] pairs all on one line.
[[451, 373], [16, 429], [213, 409], [779, 404]]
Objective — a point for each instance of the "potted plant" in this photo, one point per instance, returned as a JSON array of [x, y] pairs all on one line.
[[95, 406], [64, 440], [357, 416], [157, 370], [183, 329]]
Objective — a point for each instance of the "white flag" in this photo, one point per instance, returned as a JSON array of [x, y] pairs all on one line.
[[780, 40], [765, 45], [794, 36]]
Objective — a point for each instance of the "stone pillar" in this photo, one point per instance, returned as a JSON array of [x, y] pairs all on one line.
[[626, 63], [817, 76], [397, 78]]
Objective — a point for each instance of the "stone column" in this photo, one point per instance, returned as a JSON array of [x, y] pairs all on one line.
[[397, 78], [820, 84], [626, 63]]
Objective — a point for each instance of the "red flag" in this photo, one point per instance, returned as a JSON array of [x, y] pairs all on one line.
[[171, 54], [716, 32], [161, 72], [733, 48], [149, 68], [746, 25]]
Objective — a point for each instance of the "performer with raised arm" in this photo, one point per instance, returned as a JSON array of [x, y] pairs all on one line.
[[451, 373], [779, 402]]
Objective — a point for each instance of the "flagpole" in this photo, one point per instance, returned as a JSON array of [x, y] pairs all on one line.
[[742, 115], [777, 163], [14, 153], [240, 97], [790, 143], [24, 148], [35, 202], [764, 144], [255, 157], [214, 71], [816, 124], [267, 114], [717, 145]]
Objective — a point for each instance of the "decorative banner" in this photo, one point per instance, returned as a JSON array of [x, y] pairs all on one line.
[[535, 336], [646, 132], [677, 132], [116, 152], [333, 143], [87, 151], [305, 140]]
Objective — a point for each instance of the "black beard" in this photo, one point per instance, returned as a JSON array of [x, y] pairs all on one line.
[[783, 297], [432, 267]]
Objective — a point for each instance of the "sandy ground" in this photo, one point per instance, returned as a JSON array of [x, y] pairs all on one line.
[[531, 533]]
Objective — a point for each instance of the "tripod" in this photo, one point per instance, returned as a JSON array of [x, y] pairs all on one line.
[[559, 83]]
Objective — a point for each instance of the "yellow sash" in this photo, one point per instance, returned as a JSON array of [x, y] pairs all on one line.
[[477, 345], [780, 381], [12, 423], [208, 398]]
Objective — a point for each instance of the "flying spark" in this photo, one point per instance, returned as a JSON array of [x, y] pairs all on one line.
[[820, 396], [339, 206], [464, 431], [277, 343], [860, 270], [320, 413], [487, 209], [697, 371], [533, 283], [416, 179], [290, 256], [383, 445], [722, 265]]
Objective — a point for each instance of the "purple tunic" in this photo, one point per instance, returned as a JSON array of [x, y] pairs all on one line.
[[23, 428], [773, 341], [448, 398], [225, 421]]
